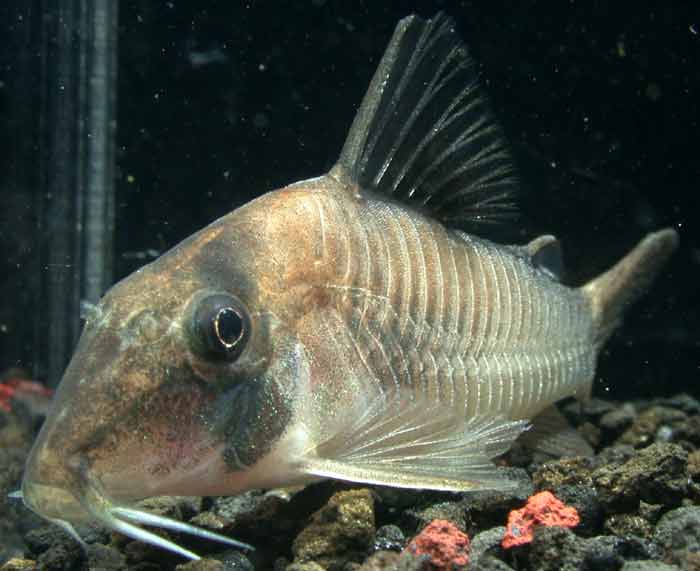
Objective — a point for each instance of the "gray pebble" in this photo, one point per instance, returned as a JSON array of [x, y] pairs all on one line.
[[486, 540], [678, 532], [389, 538]]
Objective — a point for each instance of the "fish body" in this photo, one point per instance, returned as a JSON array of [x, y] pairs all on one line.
[[341, 327], [451, 317]]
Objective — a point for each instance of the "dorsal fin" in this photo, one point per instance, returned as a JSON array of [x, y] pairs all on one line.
[[425, 135], [545, 253]]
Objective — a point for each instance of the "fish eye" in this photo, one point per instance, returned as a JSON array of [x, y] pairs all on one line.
[[220, 327]]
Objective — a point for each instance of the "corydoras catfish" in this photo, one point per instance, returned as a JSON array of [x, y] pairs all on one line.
[[341, 327]]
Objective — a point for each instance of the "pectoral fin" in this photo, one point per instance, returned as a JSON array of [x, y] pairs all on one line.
[[404, 442]]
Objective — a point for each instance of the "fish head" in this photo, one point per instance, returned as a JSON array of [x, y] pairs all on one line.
[[182, 380]]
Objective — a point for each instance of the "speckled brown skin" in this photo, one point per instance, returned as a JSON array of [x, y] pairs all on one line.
[[137, 411]]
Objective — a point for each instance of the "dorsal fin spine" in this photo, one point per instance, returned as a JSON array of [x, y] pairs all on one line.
[[395, 100]]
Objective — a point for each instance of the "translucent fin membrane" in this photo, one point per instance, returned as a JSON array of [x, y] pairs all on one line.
[[425, 134], [406, 441]]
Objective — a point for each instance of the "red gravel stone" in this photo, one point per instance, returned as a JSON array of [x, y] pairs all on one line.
[[543, 509], [447, 546], [16, 388]]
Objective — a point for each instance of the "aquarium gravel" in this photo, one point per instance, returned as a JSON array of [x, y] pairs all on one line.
[[637, 499]]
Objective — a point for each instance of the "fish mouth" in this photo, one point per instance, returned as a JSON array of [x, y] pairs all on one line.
[[61, 506]]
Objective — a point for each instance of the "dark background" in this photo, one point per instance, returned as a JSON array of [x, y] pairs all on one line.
[[220, 101]]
